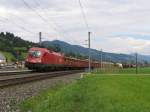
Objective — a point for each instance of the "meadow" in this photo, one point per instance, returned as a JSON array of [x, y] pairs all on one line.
[[117, 92], [140, 70]]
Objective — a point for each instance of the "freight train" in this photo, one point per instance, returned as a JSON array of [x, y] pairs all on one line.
[[42, 59]]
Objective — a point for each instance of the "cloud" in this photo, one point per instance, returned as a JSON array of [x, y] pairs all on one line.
[[116, 25], [124, 44]]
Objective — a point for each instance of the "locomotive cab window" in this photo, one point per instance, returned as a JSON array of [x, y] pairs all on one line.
[[35, 54]]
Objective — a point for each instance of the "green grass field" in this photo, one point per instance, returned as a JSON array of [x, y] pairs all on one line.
[[141, 70], [10, 57], [95, 93]]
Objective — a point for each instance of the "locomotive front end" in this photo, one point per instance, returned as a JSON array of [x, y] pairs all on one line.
[[34, 58]]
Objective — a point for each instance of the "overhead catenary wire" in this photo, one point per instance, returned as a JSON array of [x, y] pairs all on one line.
[[89, 33], [40, 16], [16, 16], [53, 22], [22, 20], [83, 14], [27, 5], [43, 10], [4, 19], [58, 27]]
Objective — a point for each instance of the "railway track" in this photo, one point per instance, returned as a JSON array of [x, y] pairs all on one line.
[[24, 78], [8, 73]]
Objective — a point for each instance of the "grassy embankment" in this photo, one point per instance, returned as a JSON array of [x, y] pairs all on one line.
[[96, 93], [10, 56]]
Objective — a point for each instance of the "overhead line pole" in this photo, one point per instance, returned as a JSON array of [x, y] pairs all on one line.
[[136, 56], [101, 57], [40, 38], [89, 44], [89, 33]]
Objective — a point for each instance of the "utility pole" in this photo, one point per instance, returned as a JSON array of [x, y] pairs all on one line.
[[101, 58], [40, 38], [136, 56], [89, 44]]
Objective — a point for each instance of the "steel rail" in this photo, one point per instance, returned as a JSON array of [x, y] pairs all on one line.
[[21, 79], [8, 73]]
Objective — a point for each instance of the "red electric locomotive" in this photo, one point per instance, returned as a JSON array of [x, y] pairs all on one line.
[[42, 59]]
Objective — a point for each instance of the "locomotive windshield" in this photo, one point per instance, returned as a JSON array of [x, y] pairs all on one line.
[[35, 54]]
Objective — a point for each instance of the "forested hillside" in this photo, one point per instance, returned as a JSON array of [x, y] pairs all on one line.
[[79, 51], [11, 44]]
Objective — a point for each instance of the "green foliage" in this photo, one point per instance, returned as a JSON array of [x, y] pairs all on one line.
[[10, 44], [76, 55], [8, 55], [100, 93], [54, 47]]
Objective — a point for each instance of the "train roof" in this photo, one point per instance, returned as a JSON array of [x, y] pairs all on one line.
[[39, 49], [72, 58], [45, 50]]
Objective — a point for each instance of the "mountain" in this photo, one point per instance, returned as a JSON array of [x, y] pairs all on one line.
[[95, 54], [9, 44]]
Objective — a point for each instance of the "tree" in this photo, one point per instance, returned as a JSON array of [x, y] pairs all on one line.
[[54, 47]]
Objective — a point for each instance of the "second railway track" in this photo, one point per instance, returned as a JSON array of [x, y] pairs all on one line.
[[9, 73], [6, 81]]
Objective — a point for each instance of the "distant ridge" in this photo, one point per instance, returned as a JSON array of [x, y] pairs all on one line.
[[95, 54]]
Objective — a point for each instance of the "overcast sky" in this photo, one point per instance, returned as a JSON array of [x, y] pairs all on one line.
[[121, 26]]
